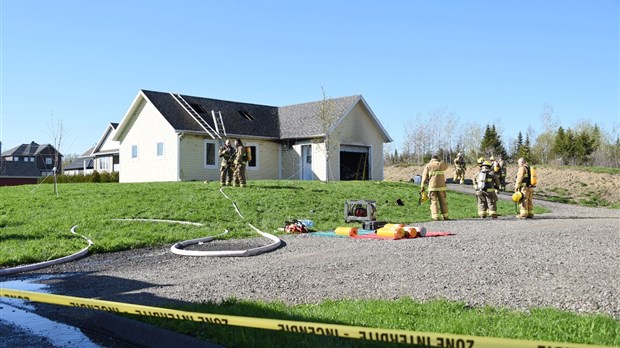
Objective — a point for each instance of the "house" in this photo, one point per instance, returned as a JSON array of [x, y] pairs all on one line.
[[105, 153], [174, 137], [83, 165], [44, 156], [103, 157], [18, 173]]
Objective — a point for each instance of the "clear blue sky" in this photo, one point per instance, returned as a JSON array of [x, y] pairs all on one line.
[[83, 62]]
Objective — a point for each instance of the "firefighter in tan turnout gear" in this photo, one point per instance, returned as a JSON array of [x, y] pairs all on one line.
[[240, 161], [486, 184], [524, 185], [227, 153], [435, 175], [459, 169]]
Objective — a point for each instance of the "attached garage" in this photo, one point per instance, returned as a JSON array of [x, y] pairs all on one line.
[[355, 162]]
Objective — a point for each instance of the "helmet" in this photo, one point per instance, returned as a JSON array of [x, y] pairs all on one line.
[[480, 161], [459, 155], [486, 163], [492, 158], [517, 196]]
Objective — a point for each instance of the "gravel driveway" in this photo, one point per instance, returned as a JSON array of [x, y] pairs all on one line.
[[567, 259]]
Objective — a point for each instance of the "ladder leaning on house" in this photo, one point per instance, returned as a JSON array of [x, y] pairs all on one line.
[[190, 110], [219, 123]]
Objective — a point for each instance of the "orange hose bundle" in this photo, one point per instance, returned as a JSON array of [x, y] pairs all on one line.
[[421, 231], [395, 232], [410, 231], [346, 231]]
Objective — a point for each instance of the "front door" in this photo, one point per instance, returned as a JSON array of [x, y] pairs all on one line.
[[306, 162]]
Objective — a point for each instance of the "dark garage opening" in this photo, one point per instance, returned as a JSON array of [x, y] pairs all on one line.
[[354, 166]]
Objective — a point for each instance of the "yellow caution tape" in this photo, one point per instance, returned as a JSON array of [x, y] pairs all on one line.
[[425, 339]]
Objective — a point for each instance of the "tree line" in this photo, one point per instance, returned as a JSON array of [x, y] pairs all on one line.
[[585, 144]]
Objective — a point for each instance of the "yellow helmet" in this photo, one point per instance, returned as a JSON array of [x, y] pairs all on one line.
[[517, 196], [486, 163], [480, 161], [424, 196], [492, 158]]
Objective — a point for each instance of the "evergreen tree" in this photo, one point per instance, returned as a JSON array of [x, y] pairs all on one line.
[[559, 145], [491, 144]]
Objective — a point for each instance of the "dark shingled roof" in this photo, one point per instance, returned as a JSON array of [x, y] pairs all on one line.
[[19, 169], [243, 119], [78, 163], [31, 149], [259, 120], [304, 121]]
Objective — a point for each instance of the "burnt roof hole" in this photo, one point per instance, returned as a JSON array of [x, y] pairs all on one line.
[[198, 108], [246, 115]]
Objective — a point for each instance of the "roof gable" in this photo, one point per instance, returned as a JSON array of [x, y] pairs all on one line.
[[105, 143]]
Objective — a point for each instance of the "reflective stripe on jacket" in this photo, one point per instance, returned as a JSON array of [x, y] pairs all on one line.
[[434, 174]]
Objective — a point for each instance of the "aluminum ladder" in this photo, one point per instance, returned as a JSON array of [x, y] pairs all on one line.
[[201, 121]]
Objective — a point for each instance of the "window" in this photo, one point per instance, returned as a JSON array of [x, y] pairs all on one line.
[[134, 151], [48, 160], [254, 155], [31, 159], [160, 149], [103, 164], [210, 154]]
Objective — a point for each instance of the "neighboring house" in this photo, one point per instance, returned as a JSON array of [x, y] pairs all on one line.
[[83, 165], [43, 156], [105, 153], [172, 137], [18, 173]]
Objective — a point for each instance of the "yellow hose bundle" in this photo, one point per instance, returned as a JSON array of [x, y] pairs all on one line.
[[395, 232], [410, 231], [346, 231]]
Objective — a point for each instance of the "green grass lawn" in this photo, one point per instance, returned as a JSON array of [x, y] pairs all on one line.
[[35, 225]]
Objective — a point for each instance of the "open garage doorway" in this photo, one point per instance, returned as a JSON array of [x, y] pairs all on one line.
[[354, 162]]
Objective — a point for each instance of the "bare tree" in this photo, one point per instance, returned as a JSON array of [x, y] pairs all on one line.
[[57, 133], [328, 119]]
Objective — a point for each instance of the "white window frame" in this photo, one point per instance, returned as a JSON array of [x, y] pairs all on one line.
[[215, 157], [48, 160], [135, 154], [157, 148]]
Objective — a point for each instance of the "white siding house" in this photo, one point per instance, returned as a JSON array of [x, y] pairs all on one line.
[[172, 137]]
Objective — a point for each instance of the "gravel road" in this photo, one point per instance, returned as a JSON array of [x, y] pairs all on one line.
[[567, 259]]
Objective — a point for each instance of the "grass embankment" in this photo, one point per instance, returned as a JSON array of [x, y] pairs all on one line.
[[35, 225]]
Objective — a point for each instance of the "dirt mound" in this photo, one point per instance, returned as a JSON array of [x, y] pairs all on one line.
[[559, 184]]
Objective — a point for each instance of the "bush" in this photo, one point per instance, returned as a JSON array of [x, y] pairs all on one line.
[[95, 177]]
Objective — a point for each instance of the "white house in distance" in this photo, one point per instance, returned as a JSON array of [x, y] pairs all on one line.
[[103, 157], [173, 137]]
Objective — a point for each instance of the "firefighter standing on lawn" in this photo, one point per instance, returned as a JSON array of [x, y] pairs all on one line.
[[486, 184], [523, 184], [227, 152], [435, 175], [460, 168], [240, 162]]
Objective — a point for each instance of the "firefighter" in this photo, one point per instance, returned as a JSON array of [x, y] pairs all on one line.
[[459, 169], [497, 168], [435, 175], [502, 174], [486, 183], [240, 161], [227, 153], [523, 184]]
